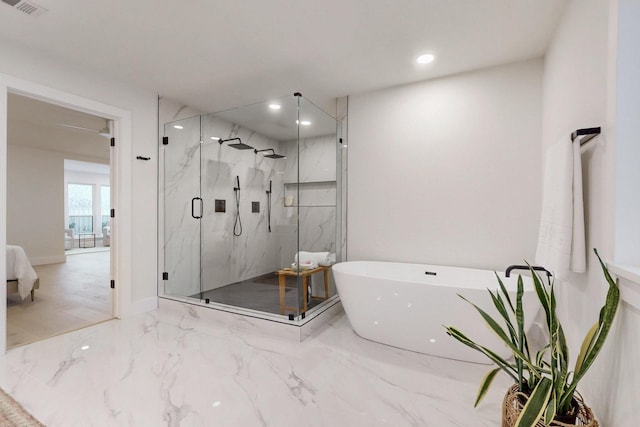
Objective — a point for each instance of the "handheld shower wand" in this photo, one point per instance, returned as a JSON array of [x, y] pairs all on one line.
[[237, 226], [269, 206]]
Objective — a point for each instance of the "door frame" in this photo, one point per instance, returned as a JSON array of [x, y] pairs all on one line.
[[121, 173]]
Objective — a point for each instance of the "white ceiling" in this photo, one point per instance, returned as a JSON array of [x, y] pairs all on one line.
[[218, 54], [37, 124]]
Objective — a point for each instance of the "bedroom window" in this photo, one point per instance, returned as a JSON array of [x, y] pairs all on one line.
[[105, 204], [80, 205]]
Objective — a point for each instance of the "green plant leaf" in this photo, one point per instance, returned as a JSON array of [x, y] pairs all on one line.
[[485, 384], [493, 325], [553, 339], [595, 342], [495, 358], [563, 350], [550, 412], [586, 345], [520, 324], [504, 292], [543, 296], [536, 404], [497, 302]]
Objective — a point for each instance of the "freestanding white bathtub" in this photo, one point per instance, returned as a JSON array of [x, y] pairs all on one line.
[[408, 305]]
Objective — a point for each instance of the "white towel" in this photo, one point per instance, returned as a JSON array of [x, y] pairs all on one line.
[[321, 258], [305, 265], [561, 241]]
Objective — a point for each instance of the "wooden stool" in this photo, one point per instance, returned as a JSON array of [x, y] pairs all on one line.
[[285, 272]]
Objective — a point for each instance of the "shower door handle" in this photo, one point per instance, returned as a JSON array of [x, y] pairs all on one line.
[[193, 207]]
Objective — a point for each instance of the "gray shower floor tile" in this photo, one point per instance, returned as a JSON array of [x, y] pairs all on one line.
[[259, 293]]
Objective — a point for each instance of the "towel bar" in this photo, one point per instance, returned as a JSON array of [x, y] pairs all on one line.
[[587, 134]]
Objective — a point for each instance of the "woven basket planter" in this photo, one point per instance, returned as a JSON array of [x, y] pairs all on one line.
[[514, 402]]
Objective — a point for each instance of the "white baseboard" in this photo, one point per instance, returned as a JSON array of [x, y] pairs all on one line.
[[141, 306], [54, 259]]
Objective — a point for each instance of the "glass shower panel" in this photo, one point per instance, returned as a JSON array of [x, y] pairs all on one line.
[[318, 192], [248, 234], [182, 207]]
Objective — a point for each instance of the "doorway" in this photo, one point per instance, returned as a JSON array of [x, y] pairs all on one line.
[[69, 250]]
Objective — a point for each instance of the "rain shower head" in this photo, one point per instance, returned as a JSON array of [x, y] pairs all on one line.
[[237, 145], [273, 154]]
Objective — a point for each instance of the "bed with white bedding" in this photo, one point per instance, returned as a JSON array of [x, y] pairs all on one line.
[[21, 277]]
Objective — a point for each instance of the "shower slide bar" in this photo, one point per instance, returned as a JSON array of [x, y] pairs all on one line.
[[587, 135]]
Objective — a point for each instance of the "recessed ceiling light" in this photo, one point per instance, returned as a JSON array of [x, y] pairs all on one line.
[[304, 122], [215, 138], [274, 106], [178, 127], [427, 58]]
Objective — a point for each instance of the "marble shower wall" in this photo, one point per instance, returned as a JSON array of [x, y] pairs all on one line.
[[316, 198], [227, 258]]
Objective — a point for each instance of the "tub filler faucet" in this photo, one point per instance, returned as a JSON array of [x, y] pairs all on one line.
[[507, 272]]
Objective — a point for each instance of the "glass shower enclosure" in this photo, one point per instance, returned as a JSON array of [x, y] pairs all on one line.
[[243, 193]]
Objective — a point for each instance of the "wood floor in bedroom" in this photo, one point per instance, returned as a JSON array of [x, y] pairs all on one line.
[[72, 295]]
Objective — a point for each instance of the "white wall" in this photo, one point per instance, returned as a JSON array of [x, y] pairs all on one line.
[[447, 171], [35, 203], [137, 201], [579, 91]]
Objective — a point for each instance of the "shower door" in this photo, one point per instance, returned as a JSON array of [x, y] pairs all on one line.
[[181, 149], [247, 156]]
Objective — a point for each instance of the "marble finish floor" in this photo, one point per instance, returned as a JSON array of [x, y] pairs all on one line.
[[72, 295], [143, 371]]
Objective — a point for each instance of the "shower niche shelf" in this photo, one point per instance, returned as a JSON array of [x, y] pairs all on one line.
[[312, 194]]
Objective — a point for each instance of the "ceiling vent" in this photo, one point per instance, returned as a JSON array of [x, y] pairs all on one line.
[[28, 7]]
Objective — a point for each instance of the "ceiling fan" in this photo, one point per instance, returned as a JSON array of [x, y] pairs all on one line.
[[105, 131]]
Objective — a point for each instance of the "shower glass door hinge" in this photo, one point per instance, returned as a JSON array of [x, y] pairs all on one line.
[[165, 276], [112, 213], [165, 140], [113, 284], [113, 142]]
